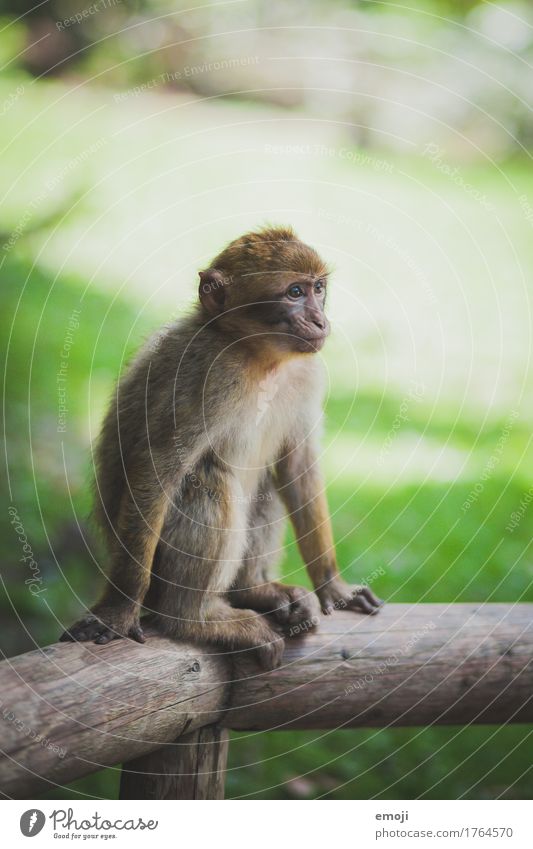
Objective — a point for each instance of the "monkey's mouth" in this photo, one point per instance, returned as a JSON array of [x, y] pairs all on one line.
[[303, 337], [312, 342]]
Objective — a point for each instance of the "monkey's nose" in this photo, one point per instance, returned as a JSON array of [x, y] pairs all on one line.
[[318, 320]]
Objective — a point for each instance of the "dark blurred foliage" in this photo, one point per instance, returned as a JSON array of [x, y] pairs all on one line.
[[440, 49]]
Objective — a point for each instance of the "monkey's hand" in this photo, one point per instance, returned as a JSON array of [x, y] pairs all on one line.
[[338, 595], [104, 624], [297, 611]]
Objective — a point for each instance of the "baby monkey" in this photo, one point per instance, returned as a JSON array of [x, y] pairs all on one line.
[[212, 437]]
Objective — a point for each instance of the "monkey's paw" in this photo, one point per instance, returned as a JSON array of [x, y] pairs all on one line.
[[103, 626], [338, 595], [270, 653], [297, 612]]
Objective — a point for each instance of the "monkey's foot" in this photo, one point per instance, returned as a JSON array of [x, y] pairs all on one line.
[[297, 611], [104, 626], [269, 654], [338, 595]]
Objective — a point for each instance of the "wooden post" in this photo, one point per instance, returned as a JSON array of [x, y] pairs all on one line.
[[193, 767]]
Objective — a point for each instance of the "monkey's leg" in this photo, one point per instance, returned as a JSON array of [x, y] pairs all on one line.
[[176, 611], [302, 489], [195, 565], [232, 631], [293, 609]]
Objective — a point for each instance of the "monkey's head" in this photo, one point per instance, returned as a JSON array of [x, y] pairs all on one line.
[[269, 289]]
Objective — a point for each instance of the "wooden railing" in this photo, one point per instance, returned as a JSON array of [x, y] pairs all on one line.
[[163, 709]]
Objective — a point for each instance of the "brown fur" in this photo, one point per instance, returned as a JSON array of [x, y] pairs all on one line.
[[205, 428]]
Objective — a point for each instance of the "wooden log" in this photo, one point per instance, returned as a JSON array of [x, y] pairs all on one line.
[[67, 710], [70, 709], [192, 767], [410, 665]]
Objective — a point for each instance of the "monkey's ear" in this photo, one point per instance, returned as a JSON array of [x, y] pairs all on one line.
[[212, 290]]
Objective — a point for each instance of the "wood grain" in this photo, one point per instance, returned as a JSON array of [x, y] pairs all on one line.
[[410, 665], [192, 767], [101, 705]]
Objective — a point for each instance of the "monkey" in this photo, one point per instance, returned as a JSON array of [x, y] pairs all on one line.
[[212, 438]]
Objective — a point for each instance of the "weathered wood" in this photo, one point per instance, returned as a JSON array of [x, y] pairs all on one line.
[[100, 706], [410, 665], [193, 767]]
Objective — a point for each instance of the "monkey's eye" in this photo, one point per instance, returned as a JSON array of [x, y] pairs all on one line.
[[295, 291], [320, 288]]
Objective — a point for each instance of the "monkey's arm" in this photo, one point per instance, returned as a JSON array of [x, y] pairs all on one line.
[[151, 480], [301, 487], [132, 544], [140, 520], [152, 436]]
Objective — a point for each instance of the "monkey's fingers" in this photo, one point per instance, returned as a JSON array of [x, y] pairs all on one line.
[[274, 623], [270, 654], [370, 596], [108, 634], [136, 633], [360, 603], [92, 628], [363, 599], [297, 611], [86, 629], [66, 637]]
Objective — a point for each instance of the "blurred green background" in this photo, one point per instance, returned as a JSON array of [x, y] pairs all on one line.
[[136, 139]]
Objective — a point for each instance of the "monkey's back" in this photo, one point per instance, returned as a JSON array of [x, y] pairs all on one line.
[[139, 416]]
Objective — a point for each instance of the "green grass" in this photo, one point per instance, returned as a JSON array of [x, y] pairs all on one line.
[[396, 492], [49, 471]]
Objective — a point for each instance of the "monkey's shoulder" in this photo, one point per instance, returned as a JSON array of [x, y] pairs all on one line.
[[176, 354]]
